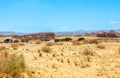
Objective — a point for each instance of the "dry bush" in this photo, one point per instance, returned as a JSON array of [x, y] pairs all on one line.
[[100, 46], [38, 51], [59, 43], [92, 41], [46, 49], [50, 44], [77, 63], [84, 65], [37, 41], [40, 55], [75, 43], [81, 39], [54, 55], [87, 51], [14, 45], [16, 41], [21, 44], [11, 65], [3, 52], [68, 60]]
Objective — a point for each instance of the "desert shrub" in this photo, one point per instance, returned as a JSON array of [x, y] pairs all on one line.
[[21, 44], [87, 52], [84, 65], [3, 52], [46, 49], [75, 43], [53, 55], [68, 39], [59, 43], [24, 40], [11, 65], [50, 44], [40, 54], [57, 40], [93, 41], [100, 46], [38, 50], [77, 63], [63, 39], [14, 45], [80, 39], [38, 41], [16, 41], [62, 61], [68, 60]]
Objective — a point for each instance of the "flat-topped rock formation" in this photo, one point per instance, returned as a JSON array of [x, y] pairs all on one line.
[[41, 36]]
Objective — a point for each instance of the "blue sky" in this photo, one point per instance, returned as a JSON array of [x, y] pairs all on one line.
[[30, 16]]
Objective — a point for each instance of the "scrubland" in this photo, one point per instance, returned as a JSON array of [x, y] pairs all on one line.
[[73, 59]]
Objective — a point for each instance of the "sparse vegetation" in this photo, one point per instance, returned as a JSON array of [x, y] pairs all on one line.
[[92, 41], [40, 54], [84, 65], [75, 43], [11, 65], [24, 40], [69, 57], [63, 39], [14, 46], [81, 39], [38, 41], [46, 49], [100, 46], [87, 52], [16, 41], [68, 39], [50, 44]]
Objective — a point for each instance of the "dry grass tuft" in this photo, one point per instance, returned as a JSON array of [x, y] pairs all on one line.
[[92, 41], [50, 44], [16, 45], [87, 52], [75, 43], [84, 65], [100, 46], [46, 49], [21, 44], [37, 41], [11, 65]]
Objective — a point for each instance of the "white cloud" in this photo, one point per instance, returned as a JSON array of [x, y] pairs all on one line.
[[113, 22]]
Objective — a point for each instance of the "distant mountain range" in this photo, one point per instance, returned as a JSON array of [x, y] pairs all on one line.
[[81, 32], [62, 33], [7, 33]]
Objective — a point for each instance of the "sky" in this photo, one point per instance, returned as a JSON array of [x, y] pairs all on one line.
[[29, 16]]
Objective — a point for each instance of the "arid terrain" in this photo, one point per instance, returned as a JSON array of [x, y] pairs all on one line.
[[73, 59]]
